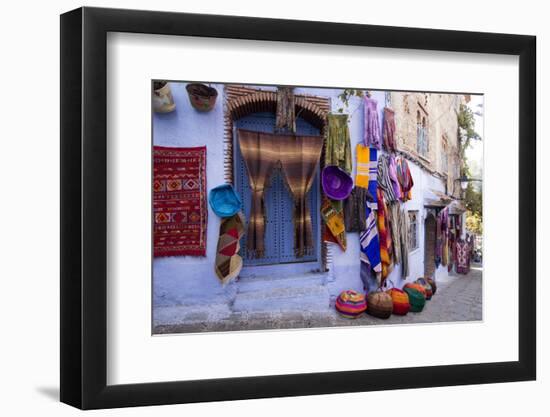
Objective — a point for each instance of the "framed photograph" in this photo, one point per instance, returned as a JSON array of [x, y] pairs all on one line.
[[257, 208]]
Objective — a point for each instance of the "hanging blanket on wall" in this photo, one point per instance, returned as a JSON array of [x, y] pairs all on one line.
[[370, 243], [372, 123], [394, 223], [179, 201], [404, 237], [389, 130], [229, 263], [438, 241], [354, 209], [392, 171], [462, 257], [337, 146], [335, 229]]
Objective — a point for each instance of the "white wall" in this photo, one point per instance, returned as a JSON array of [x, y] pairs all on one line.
[[30, 240]]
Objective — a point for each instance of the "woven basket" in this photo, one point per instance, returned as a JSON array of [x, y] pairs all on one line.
[[351, 304], [416, 299], [427, 287], [400, 299], [417, 287], [380, 304]]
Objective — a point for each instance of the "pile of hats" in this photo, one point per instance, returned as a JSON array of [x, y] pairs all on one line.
[[351, 304]]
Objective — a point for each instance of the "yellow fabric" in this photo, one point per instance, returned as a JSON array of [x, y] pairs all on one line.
[[363, 163]]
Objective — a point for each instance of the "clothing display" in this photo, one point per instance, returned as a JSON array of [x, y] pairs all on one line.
[[384, 237], [179, 201], [337, 146], [333, 217], [404, 177], [355, 217], [371, 123], [384, 180], [370, 243]]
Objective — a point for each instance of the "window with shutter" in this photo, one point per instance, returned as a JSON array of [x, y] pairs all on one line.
[[279, 231]]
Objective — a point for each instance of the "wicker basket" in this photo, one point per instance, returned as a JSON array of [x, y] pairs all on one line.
[[379, 304], [416, 299], [417, 287], [351, 304], [400, 299]]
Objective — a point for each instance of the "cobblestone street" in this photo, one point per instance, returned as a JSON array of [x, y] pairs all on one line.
[[458, 298]]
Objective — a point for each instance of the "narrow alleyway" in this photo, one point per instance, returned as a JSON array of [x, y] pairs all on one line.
[[458, 298]]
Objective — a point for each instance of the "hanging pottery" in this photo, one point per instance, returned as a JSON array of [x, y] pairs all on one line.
[[163, 101], [202, 97]]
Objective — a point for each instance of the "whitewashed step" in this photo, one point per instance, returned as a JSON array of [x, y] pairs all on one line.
[[278, 298], [268, 282]]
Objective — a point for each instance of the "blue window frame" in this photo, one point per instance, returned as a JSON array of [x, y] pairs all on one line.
[[279, 231]]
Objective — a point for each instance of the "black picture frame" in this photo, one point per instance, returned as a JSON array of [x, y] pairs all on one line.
[[84, 207]]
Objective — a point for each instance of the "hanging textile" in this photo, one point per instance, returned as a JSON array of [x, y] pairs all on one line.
[[404, 177], [384, 237], [384, 181], [333, 217], [394, 222], [404, 246], [354, 210], [228, 262], [438, 241], [392, 171], [338, 147], [299, 157], [389, 130], [179, 201], [367, 171], [257, 151], [370, 244], [285, 115], [462, 256], [372, 123]]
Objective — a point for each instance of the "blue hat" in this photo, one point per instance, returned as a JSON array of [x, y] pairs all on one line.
[[224, 200]]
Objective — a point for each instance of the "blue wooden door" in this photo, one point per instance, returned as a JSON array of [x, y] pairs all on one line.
[[279, 231]]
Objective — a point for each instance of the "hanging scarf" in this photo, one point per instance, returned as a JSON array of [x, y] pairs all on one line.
[[372, 123], [285, 115], [394, 222], [337, 146], [384, 237], [438, 241], [362, 177], [384, 181], [389, 130], [257, 151], [299, 157]]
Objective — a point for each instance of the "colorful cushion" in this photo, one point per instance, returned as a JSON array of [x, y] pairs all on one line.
[[380, 304], [400, 301], [427, 287], [417, 287], [416, 299], [351, 304]]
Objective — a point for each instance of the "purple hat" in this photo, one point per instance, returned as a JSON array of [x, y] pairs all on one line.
[[336, 182]]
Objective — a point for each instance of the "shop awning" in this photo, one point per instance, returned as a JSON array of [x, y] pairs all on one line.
[[437, 199]]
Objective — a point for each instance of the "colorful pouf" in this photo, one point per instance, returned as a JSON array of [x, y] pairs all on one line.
[[400, 301], [417, 287], [351, 304], [416, 299], [380, 304], [432, 283], [427, 287]]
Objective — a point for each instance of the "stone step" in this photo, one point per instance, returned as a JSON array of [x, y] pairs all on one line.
[[278, 298], [268, 282]]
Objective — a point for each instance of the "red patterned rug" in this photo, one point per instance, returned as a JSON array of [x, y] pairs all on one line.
[[179, 201]]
